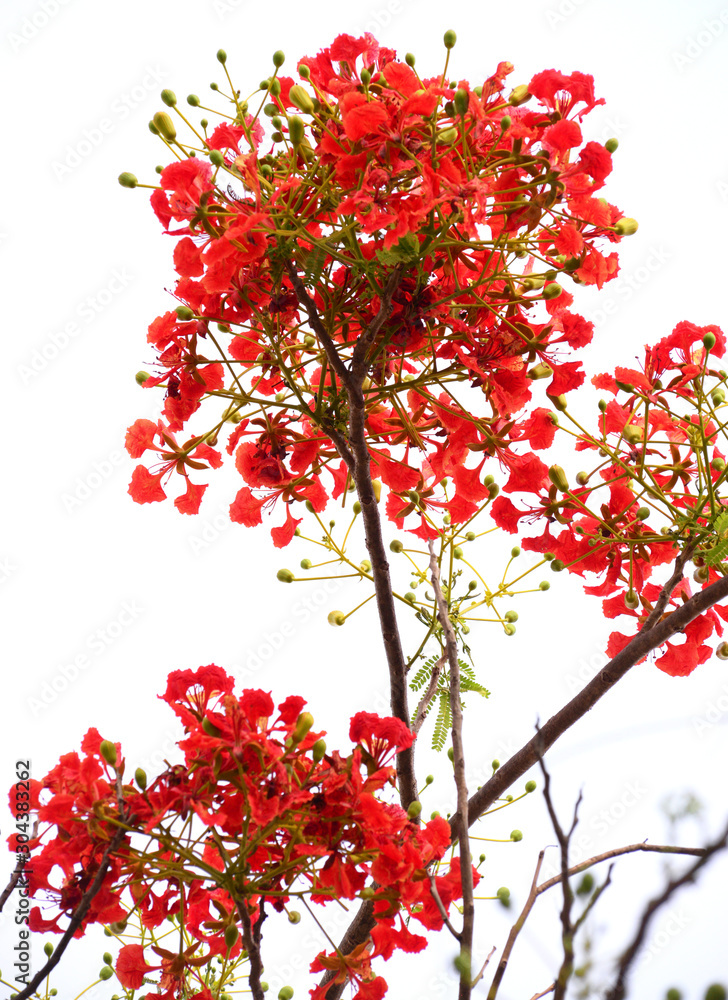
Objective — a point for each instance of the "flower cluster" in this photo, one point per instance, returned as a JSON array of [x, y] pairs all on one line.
[[260, 814], [405, 230]]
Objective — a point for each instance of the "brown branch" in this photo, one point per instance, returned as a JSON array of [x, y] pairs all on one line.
[[360, 361], [428, 695], [619, 989], [642, 644], [252, 934], [18, 872], [317, 325], [456, 709]]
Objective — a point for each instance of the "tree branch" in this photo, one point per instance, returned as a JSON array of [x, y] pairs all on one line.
[[428, 695], [466, 866], [360, 358], [251, 939], [619, 989], [642, 644]]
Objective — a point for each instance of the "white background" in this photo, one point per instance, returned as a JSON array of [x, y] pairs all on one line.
[[139, 591]]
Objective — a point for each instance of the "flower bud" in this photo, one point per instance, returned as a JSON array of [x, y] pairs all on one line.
[[643, 513], [495, 764], [717, 396], [165, 126], [210, 728], [544, 585], [140, 776], [632, 433], [48, 949], [716, 991], [503, 894], [294, 917], [366, 77], [128, 180], [141, 377], [377, 487], [409, 59], [396, 545], [184, 313], [519, 95], [108, 752], [278, 58], [557, 566], [709, 341], [718, 464], [285, 576], [414, 809], [511, 616], [541, 370], [516, 835], [530, 786], [336, 618], [461, 101], [505, 123], [457, 552], [582, 478], [558, 478], [216, 158], [509, 629], [301, 99], [222, 56], [449, 39], [285, 993], [626, 227], [611, 145], [193, 100], [365, 566], [631, 600], [552, 291], [448, 136], [318, 750], [296, 130], [493, 490], [231, 935], [106, 972], [303, 724], [169, 98], [701, 575], [450, 754]]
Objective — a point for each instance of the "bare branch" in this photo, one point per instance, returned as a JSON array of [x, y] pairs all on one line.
[[515, 931], [252, 934], [642, 644], [317, 325], [466, 866], [360, 360], [619, 989]]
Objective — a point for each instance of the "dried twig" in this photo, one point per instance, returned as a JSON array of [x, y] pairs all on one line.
[[619, 989], [429, 694]]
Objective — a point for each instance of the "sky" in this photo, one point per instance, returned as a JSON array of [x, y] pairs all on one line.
[[100, 598]]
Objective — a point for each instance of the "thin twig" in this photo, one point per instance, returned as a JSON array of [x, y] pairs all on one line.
[[428, 695], [251, 939], [485, 966], [360, 361], [441, 907], [456, 709], [619, 989]]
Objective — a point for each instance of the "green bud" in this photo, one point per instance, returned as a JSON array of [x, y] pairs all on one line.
[[140, 776], [396, 545], [511, 616], [457, 552], [301, 99], [718, 464], [204, 122], [626, 227], [541, 370], [709, 341], [108, 752], [643, 513], [169, 98], [582, 478], [285, 993], [303, 723], [165, 126], [586, 885], [631, 600], [552, 291], [557, 565], [449, 39], [414, 809], [48, 949], [530, 786], [296, 130], [602, 404], [184, 313], [509, 629], [336, 618], [108, 958], [544, 585], [356, 507], [493, 490], [473, 585], [277, 122], [461, 101], [429, 779], [306, 564], [611, 145], [285, 576], [294, 917], [193, 100], [222, 56], [715, 991], [141, 377], [153, 128], [278, 59], [366, 77], [503, 894], [410, 596], [558, 478], [488, 480], [673, 994], [450, 754], [717, 396], [106, 973], [318, 750], [632, 433], [409, 59], [128, 180], [448, 136], [519, 95], [505, 123], [516, 835], [216, 158], [495, 764], [277, 136]]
